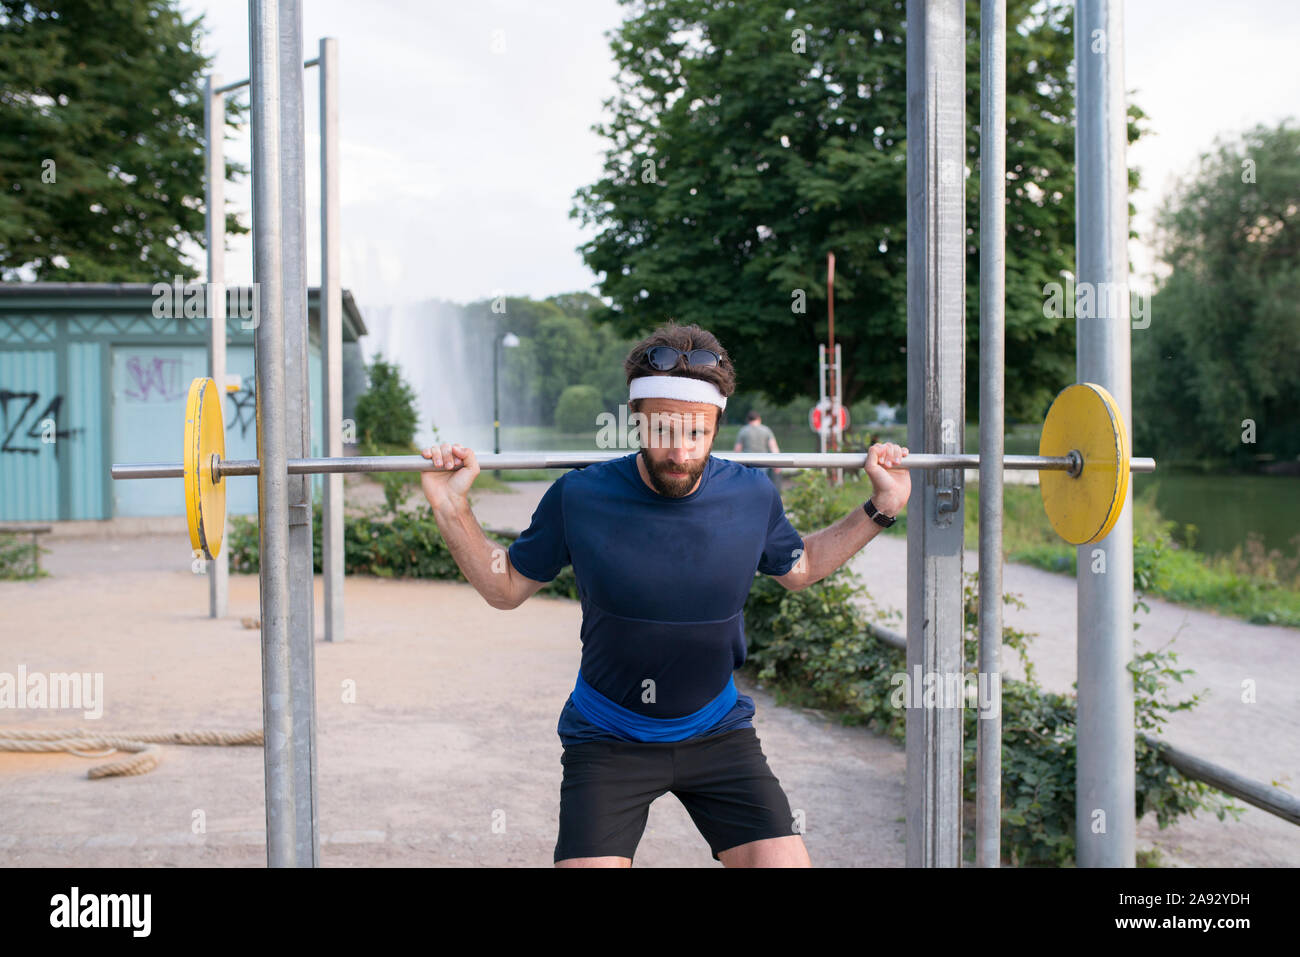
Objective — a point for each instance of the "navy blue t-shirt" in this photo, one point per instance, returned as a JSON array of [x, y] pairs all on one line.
[[662, 580]]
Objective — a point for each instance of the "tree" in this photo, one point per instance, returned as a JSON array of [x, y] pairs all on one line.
[[559, 346], [581, 304], [1216, 375], [747, 140], [101, 140], [386, 415], [579, 409]]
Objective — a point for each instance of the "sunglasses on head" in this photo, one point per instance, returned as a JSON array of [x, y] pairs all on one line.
[[665, 358]]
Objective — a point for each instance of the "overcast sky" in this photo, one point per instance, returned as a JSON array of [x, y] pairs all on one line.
[[466, 127]]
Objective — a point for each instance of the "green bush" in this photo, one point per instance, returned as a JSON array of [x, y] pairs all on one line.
[[386, 410], [578, 408], [401, 544]]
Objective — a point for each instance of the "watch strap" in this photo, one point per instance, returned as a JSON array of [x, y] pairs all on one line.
[[884, 521]]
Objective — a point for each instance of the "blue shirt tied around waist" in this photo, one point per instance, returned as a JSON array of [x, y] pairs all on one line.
[[663, 583], [602, 712]]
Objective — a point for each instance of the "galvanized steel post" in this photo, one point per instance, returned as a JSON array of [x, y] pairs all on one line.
[[272, 483], [214, 123], [993, 134], [1105, 821], [297, 393], [936, 250], [331, 338]]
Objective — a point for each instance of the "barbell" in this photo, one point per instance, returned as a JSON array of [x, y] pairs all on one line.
[[1083, 454]]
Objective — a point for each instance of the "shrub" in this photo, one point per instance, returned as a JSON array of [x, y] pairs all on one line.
[[385, 412], [389, 544], [578, 408]]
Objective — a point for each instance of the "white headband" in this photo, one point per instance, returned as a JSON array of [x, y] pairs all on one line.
[[682, 388]]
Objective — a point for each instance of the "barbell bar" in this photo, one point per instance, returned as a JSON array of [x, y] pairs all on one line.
[[1070, 463], [1083, 455]]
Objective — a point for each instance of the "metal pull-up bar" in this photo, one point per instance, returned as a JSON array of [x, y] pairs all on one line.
[[239, 84]]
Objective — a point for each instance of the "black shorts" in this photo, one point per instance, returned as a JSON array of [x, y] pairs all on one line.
[[722, 780]]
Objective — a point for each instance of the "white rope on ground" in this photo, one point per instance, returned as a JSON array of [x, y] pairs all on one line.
[[142, 745]]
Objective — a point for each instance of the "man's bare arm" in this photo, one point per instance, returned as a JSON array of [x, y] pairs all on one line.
[[829, 548], [484, 563]]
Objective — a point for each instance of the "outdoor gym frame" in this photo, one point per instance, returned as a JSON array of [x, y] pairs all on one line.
[[936, 128]]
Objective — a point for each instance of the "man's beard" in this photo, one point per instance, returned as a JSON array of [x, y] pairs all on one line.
[[671, 486]]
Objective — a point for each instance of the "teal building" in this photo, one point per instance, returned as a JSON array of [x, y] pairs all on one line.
[[97, 373]]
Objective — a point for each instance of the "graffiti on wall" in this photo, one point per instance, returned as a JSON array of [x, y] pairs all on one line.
[[153, 379], [42, 427], [245, 403]]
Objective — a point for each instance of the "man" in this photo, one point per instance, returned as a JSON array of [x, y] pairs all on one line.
[[754, 436], [664, 543]]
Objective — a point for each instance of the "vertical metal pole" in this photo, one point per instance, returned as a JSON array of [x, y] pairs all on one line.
[[831, 353], [1105, 821], [272, 482], [821, 397], [214, 116], [496, 402], [993, 137], [297, 393], [496, 409], [936, 386], [837, 402], [331, 337]]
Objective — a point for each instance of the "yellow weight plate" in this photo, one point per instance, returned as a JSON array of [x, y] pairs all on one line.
[[205, 437], [1124, 469], [1084, 508]]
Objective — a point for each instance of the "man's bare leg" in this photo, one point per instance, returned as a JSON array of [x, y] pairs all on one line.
[[772, 852], [595, 862]]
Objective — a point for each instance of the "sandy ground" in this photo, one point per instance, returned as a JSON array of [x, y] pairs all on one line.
[[453, 726]]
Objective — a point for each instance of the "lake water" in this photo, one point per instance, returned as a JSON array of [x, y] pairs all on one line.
[[1226, 508]]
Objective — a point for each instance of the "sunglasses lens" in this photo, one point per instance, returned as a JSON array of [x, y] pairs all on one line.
[[702, 357], [662, 358]]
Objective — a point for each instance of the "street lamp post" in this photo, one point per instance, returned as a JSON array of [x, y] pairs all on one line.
[[509, 340]]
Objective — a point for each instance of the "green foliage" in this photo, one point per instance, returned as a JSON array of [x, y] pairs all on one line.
[[559, 346], [102, 156], [388, 544], [814, 503], [1224, 341], [578, 408], [735, 162], [17, 560], [386, 413], [816, 647]]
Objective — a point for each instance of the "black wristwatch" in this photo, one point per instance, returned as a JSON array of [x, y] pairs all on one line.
[[873, 513]]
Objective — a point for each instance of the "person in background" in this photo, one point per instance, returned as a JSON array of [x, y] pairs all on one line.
[[754, 436]]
